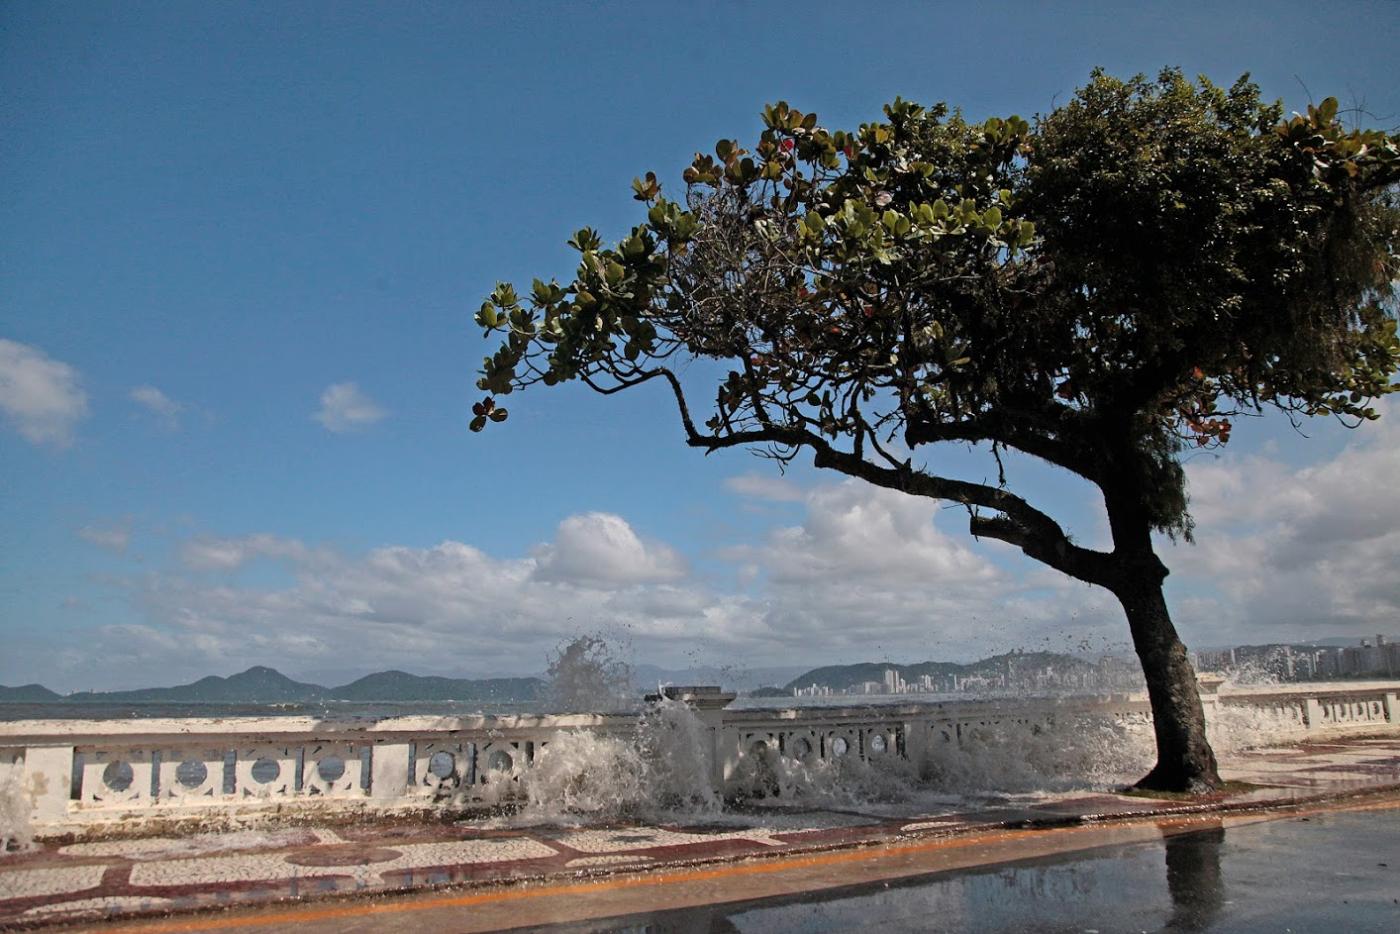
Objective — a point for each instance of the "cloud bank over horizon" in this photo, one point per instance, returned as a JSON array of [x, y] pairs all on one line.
[[864, 574]]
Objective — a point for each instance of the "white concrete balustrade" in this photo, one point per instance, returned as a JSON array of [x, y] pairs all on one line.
[[82, 776]]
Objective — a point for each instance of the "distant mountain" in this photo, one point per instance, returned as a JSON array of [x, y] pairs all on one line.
[[28, 694], [401, 686], [257, 685], [846, 677], [261, 685]]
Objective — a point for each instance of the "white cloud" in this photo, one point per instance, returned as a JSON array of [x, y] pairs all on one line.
[[164, 408], [868, 574], [113, 538], [863, 532], [602, 549], [226, 554], [766, 486], [1289, 552], [345, 408], [41, 397]]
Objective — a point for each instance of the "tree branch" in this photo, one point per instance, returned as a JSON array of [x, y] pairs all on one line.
[[1005, 430], [1018, 523]]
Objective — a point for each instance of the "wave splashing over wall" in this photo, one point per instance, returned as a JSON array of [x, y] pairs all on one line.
[[585, 676], [662, 771], [766, 778], [1068, 754], [16, 835]]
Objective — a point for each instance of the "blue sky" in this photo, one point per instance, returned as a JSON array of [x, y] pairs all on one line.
[[242, 247]]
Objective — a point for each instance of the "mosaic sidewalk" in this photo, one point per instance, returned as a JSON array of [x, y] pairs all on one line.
[[125, 878]]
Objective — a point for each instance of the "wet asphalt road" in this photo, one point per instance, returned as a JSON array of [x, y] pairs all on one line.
[[1331, 872]]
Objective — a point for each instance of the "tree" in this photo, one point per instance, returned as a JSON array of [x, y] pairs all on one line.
[[1101, 290]]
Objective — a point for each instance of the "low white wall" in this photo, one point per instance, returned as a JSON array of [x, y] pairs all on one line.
[[77, 776]]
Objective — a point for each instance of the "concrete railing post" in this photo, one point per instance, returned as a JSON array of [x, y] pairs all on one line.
[[1391, 702], [916, 735], [388, 775], [48, 782], [1312, 710], [1208, 687]]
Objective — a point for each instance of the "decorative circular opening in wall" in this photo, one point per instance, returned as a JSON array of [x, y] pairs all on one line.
[[191, 773], [330, 768], [442, 764], [265, 770], [118, 776]]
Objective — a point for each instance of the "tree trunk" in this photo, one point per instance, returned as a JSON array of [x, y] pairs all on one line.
[[1185, 761]]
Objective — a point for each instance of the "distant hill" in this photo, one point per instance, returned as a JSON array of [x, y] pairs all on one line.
[[846, 677], [262, 685], [401, 686], [28, 694], [257, 685]]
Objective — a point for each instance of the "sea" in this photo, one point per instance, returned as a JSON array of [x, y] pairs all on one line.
[[378, 710]]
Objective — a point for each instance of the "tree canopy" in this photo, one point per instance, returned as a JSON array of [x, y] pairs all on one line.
[[1161, 254], [1100, 288]]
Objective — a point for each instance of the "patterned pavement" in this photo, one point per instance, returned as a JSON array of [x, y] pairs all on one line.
[[150, 876]]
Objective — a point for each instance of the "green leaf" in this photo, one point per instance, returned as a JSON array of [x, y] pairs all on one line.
[[487, 317]]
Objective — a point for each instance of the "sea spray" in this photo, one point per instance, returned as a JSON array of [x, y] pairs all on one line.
[[16, 835], [764, 777], [585, 676], [1253, 673], [1062, 755], [662, 771], [583, 775], [1233, 729]]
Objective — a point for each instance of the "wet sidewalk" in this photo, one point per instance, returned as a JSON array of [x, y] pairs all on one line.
[[126, 879]]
